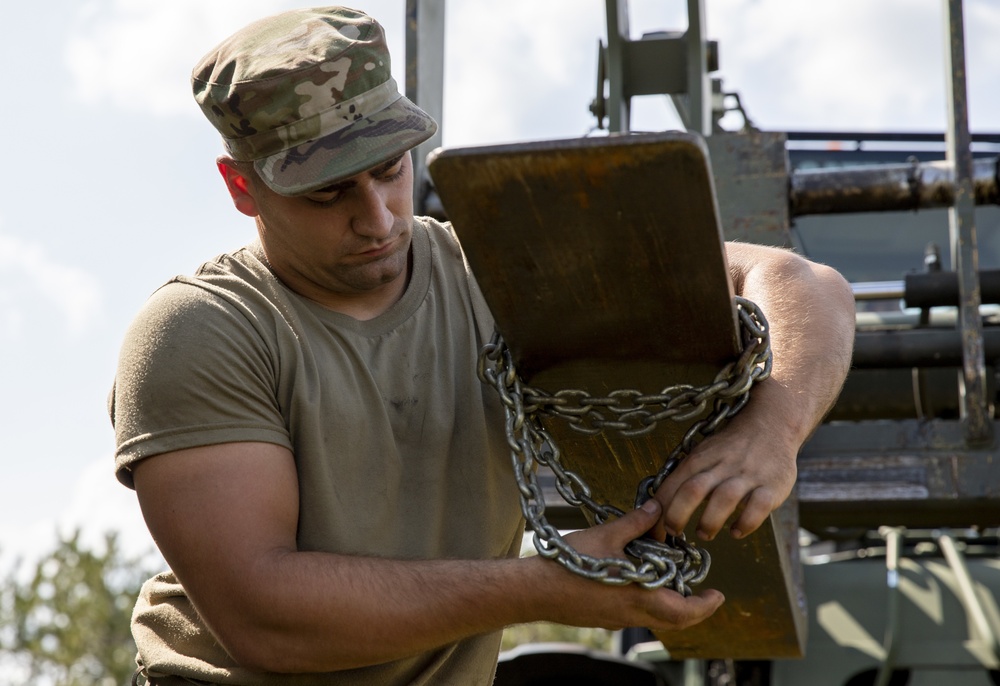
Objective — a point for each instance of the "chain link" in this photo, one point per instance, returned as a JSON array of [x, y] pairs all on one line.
[[674, 563]]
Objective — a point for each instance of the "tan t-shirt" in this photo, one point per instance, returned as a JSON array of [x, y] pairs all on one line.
[[399, 448]]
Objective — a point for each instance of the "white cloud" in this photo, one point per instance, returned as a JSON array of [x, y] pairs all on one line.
[[982, 20], [852, 64], [138, 54], [25, 270], [848, 65], [11, 318], [510, 78], [96, 505], [100, 504]]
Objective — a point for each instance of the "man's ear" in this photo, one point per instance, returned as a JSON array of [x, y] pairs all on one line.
[[238, 185]]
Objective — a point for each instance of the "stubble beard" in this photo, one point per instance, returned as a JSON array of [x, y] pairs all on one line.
[[381, 270]]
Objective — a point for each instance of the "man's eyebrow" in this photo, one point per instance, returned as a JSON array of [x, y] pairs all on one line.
[[344, 185], [381, 169]]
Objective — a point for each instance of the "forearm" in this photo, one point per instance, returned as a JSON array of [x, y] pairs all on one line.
[[810, 312], [225, 518], [317, 612]]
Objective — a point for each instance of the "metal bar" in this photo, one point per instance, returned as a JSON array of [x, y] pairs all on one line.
[[929, 289], [895, 349], [694, 673], [962, 224], [909, 473], [619, 104], [699, 86], [879, 290], [893, 538], [937, 289], [895, 136], [967, 592], [425, 81], [888, 188]]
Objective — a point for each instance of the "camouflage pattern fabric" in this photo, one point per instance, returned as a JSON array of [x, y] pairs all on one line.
[[308, 96]]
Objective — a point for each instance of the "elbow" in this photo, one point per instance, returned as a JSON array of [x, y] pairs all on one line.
[[262, 651], [802, 297], [253, 648], [786, 275], [839, 300], [276, 651], [837, 293], [253, 637]]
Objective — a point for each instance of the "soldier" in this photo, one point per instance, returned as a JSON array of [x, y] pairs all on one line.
[[301, 420]]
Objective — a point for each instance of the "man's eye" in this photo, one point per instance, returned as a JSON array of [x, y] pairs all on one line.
[[395, 171], [324, 199]]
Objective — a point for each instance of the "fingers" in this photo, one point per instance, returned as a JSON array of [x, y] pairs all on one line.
[[723, 502], [729, 476], [637, 522], [660, 609], [609, 540], [631, 525], [737, 495], [701, 607], [673, 612], [681, 497], [759, 505]]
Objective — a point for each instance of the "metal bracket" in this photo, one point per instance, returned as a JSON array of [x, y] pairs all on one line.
[[670, 63]]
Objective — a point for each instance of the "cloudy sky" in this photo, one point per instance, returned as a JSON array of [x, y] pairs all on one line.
[[109, 187]]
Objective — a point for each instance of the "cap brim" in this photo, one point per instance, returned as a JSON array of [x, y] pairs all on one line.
[[366, 143]]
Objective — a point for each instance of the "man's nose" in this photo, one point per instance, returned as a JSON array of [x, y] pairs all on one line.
[[372, 216]]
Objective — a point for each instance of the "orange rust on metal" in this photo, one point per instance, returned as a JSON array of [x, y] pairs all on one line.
[[890, 187], [627, 289], [633, 246], [768, 624]]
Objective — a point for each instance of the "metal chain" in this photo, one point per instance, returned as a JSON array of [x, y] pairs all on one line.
[[674, 563]]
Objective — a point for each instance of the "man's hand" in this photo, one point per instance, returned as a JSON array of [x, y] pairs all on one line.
[[741, 470], [583, 602]]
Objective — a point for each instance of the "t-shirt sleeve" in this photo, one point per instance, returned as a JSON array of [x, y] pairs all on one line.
[[195, 369]]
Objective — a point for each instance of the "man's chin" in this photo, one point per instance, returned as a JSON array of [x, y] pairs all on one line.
[[379, 272]]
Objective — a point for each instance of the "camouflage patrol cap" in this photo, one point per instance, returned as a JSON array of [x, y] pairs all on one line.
[[308, 97]]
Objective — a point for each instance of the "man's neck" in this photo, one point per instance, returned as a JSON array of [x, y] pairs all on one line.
[[362, 306]]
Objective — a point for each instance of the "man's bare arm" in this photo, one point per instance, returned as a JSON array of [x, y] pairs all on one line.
[[749, 467], [225, 519]]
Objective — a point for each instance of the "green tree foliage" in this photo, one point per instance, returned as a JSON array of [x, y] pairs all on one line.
[[544, 632], [66, 622]]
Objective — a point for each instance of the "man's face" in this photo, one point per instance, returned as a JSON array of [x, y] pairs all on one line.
[[347, 241]]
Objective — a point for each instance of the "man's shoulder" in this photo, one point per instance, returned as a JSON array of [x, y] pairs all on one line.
[[439, 232], [443, 237], [231, 276], [246, 265], [232, 287]]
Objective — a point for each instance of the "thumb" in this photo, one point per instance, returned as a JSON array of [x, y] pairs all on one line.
[[637, 522]]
